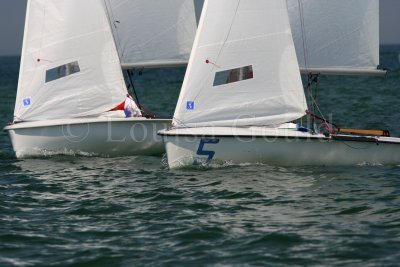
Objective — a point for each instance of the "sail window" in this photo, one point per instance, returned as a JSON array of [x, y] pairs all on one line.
[[62, 71], [233, 75]]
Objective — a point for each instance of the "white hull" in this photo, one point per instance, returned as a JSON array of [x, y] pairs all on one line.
[[191, 146], [99, 136]]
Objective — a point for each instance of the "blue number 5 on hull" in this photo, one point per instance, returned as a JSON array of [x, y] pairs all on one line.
[[209, 153]]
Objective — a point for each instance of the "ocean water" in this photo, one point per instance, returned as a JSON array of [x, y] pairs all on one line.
[[133, 211]]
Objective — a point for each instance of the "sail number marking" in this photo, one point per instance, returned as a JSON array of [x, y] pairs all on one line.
[[26, 102], [190, 105]]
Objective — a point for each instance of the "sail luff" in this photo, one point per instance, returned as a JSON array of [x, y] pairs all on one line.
[[19, 104], [177, 119]]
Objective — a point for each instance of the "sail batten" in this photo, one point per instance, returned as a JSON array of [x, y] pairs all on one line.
[[154, 64], [344, 71]]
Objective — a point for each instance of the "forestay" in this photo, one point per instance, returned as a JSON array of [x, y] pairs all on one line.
[[69, 65], [336, 37], [154, 33], [243, 68]]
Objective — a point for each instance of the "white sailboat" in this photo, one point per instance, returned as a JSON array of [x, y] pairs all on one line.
[[243, 88], [71, 75]]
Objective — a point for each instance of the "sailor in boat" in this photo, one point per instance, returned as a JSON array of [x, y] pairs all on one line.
[[129, 107]]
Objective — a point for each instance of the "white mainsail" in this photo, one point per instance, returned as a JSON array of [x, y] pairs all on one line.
[[336, 37], [243, 68], [154, 33], [69, 63], [331, 37]]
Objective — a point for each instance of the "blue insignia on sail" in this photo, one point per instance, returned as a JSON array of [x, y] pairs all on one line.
[[190, 105], [26, 102]]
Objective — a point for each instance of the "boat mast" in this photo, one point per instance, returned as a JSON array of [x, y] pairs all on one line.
[[130, 75]]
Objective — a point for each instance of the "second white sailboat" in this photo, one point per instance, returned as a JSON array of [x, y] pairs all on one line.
[[243, 89]]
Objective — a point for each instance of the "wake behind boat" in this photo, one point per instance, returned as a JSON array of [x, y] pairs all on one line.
[[243, 88]]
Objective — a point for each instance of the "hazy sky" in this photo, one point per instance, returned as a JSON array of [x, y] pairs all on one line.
[[12, 15]]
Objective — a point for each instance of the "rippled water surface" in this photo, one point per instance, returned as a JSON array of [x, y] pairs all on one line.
[[133, 211]]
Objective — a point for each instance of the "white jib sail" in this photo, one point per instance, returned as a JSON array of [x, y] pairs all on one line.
[[340, 35], [69, 63], [243, 68], [154, 33]]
